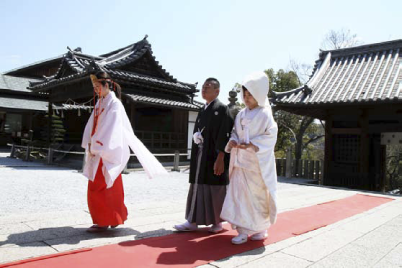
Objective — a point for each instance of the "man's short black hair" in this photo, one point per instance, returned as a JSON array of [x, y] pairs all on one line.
[[214, 81]]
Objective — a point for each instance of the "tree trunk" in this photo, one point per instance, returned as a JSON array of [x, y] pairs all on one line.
[[305, 123], [298, 149]]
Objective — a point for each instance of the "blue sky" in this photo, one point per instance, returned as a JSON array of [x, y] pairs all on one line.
[[192, 40]]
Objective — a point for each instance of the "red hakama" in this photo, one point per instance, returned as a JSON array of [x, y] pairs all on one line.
[[106, 206]]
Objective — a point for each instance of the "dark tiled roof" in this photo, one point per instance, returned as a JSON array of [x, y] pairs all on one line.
[[32, 65], [162, 101], [52, 81], [130, 54], [23, 104], [80, 65], [148, 79], [15, 83], [364, 74]]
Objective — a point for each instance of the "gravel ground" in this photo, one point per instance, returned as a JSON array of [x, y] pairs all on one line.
[[31, 187]]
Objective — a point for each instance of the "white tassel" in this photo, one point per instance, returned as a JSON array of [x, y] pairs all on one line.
[[79, 112], [62, 114]]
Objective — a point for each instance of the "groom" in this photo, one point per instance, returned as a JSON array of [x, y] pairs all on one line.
[[209, 162]]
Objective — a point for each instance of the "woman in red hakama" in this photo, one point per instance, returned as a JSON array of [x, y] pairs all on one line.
[[107, 138]]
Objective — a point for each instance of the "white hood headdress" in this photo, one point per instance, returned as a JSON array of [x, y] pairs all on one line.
[[258, 85]]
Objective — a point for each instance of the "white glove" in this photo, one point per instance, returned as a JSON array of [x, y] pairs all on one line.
[[197, 137]]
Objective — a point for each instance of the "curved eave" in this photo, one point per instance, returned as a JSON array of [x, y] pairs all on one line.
[[33, 65], [131, 54], [131, 77], [56, 82], [119, 77], [161, 102]]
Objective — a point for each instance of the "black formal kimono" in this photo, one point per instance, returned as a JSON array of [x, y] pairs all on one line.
[[207, 191]]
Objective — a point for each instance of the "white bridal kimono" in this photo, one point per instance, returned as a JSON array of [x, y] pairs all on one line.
[[111, 142], [250, 204]]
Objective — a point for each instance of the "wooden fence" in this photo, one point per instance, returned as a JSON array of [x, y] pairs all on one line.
[[307, 169]]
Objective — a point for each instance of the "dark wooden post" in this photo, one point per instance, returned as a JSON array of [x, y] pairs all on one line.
[[322, 173], [176, 161], [299, 168], [328, 150], [49, 126], [283, 166], [289, 161], [305, 171], [311, 169], [50, 156], [364, 152], [278, 166], [383, 157], [12, 153], [317, 170], [29, 144]]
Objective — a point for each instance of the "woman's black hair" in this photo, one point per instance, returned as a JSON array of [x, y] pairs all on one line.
[[104, 78]]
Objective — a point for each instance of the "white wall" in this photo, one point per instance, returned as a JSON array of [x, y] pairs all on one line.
[[192, 116]]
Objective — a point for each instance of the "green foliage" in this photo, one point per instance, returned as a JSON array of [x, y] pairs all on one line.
[[57, 131], [294, 130], [282, 80], [393, 169]]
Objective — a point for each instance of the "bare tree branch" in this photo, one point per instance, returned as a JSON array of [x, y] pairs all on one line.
[[302, 70], [290, 129], [316, 138], [342, 38]]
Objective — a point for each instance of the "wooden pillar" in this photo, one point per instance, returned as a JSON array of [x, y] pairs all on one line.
[[383, 157], [364, 151], [299, 169], [305, 169], [30, 116], [283, 166], [328, 150], [176, 161], [311, 169], [322, 173], [317, 170], [177, 121], [49, 123], [289, 160]]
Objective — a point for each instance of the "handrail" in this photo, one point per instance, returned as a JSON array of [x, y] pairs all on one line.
[[75, 152]]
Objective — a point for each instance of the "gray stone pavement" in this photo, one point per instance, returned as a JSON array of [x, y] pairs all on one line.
[[43, 211]]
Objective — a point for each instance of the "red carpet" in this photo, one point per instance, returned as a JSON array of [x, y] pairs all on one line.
[[197, 248]]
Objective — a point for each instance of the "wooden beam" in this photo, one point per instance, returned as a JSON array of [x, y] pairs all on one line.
[[355, 131], [49, 126]]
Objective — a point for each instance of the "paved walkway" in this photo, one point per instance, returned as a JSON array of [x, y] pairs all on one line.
[[43, 211]]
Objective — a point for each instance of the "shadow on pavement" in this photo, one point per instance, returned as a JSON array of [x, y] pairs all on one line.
[[180, 248], [69, 235]]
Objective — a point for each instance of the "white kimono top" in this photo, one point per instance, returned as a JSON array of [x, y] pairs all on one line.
[[262, 132], [111, 141]]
